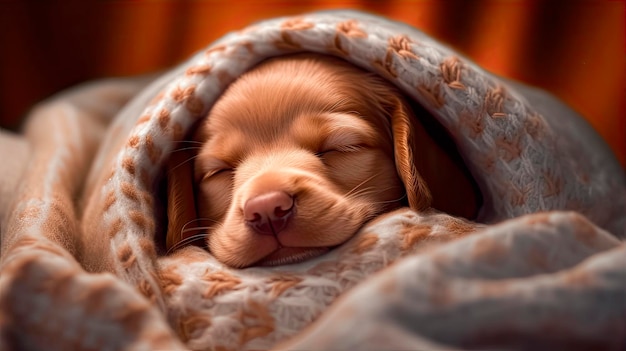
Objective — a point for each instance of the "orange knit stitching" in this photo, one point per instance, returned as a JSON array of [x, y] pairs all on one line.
[[188, 325], [457, 227], [348, 28], [534, 126], [364, 243], [154, 152], [493, 102], [257, 320], [202, 70], [451, 72], [194, 105], [413, 234], [286, 43], [219, 282], [129, 191], [180, 94], [143, 119], [401, 45], [109, 201], [146, 290], [282, 283], [115, 228], [125, 256], [169, 281], [553, 184], [519, 196], [147, 248], [129, 165], [510, 149], [133, 141], [351, 28], [473, 123], [297, 23], [432, 94], [217, 48], [163, 118], [138, 218], [338, 47]]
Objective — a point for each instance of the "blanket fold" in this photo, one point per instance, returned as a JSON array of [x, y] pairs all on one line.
[[79, 267]]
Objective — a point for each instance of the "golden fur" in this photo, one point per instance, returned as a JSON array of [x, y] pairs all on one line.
[[295, 157]]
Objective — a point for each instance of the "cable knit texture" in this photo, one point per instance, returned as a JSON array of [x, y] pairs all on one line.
[[561, 274]]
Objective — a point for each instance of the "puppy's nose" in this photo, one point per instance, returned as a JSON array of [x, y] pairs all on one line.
[[269, 213]]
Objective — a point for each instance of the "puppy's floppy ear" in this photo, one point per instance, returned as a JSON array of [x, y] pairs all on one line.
[[181, 202], [430, 166], [418, 194]]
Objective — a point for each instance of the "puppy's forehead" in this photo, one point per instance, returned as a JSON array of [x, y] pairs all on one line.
[[307, 131], [290, 102]]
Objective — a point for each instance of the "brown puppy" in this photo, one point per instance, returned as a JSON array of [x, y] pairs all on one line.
[[296, 156]]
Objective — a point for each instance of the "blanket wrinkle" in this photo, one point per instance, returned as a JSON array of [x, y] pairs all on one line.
[[441, 307], [543, 266]]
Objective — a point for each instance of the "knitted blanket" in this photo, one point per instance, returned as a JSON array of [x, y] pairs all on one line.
[[544, 269]]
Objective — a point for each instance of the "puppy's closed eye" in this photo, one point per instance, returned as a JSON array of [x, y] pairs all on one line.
[[287, 173]]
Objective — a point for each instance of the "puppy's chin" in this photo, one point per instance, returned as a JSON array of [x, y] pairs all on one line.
[[313, 231]]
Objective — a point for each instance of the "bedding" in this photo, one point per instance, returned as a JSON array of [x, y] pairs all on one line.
[[544, 266]]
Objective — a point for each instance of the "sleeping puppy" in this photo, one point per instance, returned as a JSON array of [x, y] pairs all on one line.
[[295, 157]]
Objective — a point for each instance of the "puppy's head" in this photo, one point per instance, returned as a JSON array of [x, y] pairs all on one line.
[[296, 156]]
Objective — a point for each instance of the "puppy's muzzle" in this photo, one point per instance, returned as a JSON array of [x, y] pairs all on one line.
[[269, 213]]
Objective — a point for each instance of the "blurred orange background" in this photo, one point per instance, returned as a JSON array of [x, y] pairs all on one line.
[[575, 49]]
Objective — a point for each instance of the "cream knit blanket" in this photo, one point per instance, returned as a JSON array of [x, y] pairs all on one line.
[[530, 278]]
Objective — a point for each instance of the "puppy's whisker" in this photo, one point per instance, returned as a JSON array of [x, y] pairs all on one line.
[[182, 163], [184, 242], [369, 191], [362, 192], [184, 228], [199, 219], [187, 148], [363, 182], [191, 142], [390, 201], [196, 228]]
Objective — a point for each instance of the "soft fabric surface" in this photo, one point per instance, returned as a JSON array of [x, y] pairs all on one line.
[[539, 279]]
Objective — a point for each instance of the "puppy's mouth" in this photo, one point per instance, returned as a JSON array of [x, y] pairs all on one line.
[[291, 255]]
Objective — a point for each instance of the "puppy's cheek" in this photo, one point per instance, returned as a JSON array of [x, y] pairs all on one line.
[[233, 246], [369, 175], [215, 196], [325, 221], [223, 248], [389, 188], [233, 252]]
